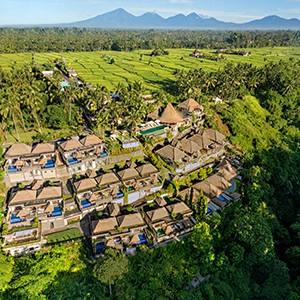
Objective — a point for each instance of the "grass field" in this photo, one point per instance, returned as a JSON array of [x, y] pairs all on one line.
[[94, 67], [63, 236]]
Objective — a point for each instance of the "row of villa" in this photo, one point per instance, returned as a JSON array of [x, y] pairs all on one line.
[[43, 161], [70, 182]]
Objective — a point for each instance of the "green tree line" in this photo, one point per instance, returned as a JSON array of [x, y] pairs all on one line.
[[18, 40]]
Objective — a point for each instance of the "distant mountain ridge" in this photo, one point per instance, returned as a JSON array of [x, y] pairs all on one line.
[[120, 18]]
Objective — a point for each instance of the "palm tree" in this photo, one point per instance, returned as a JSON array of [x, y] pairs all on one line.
[[9, 110]]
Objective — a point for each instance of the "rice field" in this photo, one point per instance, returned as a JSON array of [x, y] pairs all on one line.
[[95, 67]]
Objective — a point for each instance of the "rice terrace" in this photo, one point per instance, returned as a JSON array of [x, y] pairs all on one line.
[[109, 68]]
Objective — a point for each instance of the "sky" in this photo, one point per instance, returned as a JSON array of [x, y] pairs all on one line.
[[14, 12]]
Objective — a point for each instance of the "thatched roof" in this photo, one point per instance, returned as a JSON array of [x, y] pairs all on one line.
[[170, 115], [24, 212], [202, 141], [70, 145], [189, 146], [113, 209], [208, 189], [50, 192], [171, 153], [36, 184], [158, 214], [91, 173], [85, 184], [128, 174], [146, 169], [18, 150], [104, 225], [49, 208], [135, 239], [90, 140], [187, 193], [154, 115], [225, 165], [130, 164], [160, 201], [131, 220], [214, 135], [107, 178], [23, 196], [218, 181], [190, 105], [178, 208], [225, 174], [43, 148]]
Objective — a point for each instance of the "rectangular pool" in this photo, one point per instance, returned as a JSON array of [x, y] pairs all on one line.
[[155, 130]]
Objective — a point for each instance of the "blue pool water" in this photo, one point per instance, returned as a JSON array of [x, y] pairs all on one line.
[[49, 164], [154, 130], [12, 168], [64, 83], [208, 211], [142, 240], [15, 219], [56, 212], [85, 203], [120, 194], [222, 198], [72, 161], [103, 154]]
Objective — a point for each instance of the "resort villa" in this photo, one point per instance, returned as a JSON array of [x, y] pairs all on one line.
[[81, 154], [123, 232], [26, 163]]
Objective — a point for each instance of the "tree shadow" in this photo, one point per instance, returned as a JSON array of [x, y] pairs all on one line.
[[167, 85]]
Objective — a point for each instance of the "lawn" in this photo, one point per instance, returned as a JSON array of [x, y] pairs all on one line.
[[63, 236], [95, 67], [30, 135]]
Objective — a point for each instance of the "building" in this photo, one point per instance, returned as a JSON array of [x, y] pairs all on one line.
[[26, 163], [81, 154], [122, 232], [32, 211], [170, 221]]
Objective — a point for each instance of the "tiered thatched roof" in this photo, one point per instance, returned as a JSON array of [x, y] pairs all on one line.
[[70, 144], [171, 153], [190, 105], [104, 225], [170, 115], [131, 220], [85, 184], [107, 178], [146, 169], [90, 140], [158, 214]]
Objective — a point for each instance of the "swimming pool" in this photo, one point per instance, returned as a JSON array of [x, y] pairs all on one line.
[[49, 164], [72, 161], [154, 130], [222, 198]]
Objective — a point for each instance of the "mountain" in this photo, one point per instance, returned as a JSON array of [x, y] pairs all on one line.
[[272, 22], [120, 18]]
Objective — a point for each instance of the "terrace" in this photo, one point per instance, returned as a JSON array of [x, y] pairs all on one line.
[[80, 154], [170, 221], [25, 163], [121, 232]]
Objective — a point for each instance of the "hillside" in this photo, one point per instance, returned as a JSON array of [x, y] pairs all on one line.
[[120, 18]]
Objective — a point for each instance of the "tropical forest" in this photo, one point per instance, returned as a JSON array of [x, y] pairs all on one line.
[[251, 249]]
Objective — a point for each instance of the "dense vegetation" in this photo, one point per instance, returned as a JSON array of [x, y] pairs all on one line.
[[65, 40], [250, 251]]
